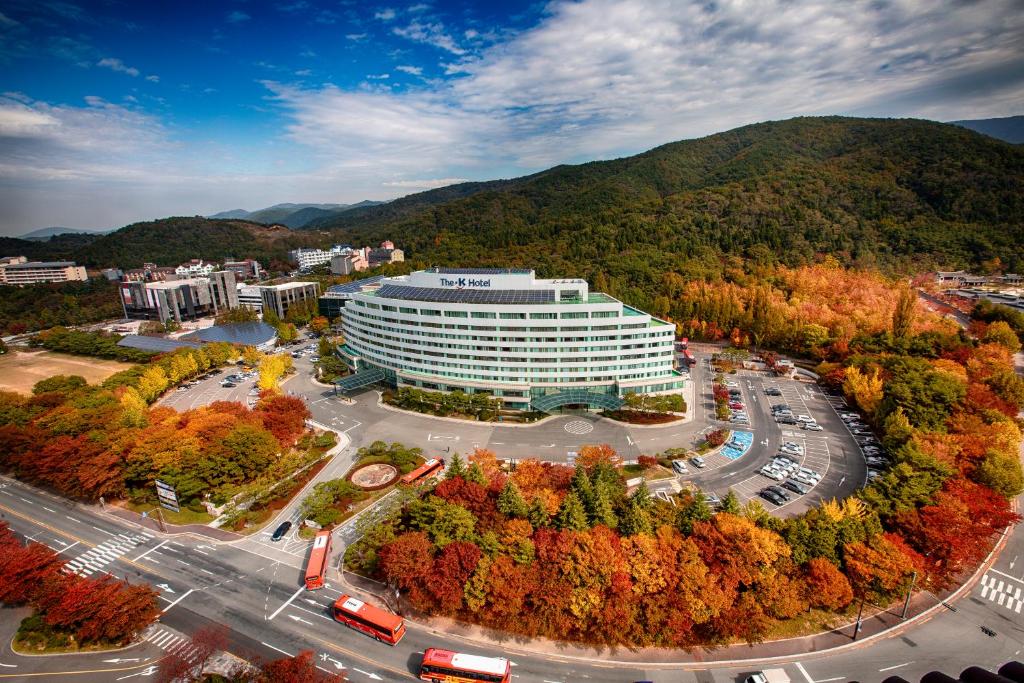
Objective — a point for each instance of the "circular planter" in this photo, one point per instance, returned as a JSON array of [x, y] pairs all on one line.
[[373, 476]]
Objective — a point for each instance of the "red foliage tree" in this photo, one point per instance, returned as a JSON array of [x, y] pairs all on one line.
[[826, 586], [203, 644], [451, 570], [22, 568], [283, 416], [298, 669]]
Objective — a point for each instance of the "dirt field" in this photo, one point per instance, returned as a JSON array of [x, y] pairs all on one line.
[[20, 370]]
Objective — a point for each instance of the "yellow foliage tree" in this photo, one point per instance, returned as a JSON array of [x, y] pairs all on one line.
[[865, 389]]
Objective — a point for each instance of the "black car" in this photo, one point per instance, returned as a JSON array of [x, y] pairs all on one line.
[[772, 497], [786, 420], [228, 385], [779, 491], [796, 487], [780, 406], [280, 531]]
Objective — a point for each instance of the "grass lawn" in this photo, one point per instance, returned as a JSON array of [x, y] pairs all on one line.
[[186, 516], [34, 637], [651, 474], [810, 623]]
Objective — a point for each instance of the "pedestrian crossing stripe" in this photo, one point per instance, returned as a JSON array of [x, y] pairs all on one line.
[[1002, 593], [172, 643], [95, 559]]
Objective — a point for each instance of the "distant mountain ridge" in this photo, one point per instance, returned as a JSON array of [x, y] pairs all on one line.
[[1009, 129], [291, 215], [43, 234]]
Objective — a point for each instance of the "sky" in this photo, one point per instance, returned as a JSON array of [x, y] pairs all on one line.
[[117, 111]]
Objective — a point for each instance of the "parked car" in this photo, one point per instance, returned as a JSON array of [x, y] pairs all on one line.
[[731, 384], [228, 385], [813, 427], [778, 490], [772, 391], [796, 487], [280, 531], [785, 420], [680, 467], [807, 471], [736, 404], [804, 418], [780, 406], [772, 473], [698, 461], [772, 497]]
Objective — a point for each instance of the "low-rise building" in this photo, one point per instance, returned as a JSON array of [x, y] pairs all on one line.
[[384, 254], [247, 269], [307, 258], [346, 264], [179, 300], [112, 274], [150, 272], [18, 270], [195, 268]]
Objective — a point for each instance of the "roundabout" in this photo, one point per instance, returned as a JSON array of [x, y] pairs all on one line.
[[579, 427]]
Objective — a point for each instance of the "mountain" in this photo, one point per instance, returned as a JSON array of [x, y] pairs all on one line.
[[901, 195], [43, 234], [292, 215], [1009, 129], [232, 214], [170, 241]]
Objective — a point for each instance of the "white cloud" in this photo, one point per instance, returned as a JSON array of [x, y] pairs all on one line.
[[386, 14], [378, 77], [411, 70], [117, 65], [304, 72], [426, 184], [237, 17], [356, 37], [431, 33], [153, 79]]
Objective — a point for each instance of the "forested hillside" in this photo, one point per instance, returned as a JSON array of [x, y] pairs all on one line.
[[171, 241], [895, 194]]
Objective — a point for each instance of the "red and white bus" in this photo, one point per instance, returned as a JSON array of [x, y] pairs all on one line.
[[688, 359], [683, 344], [373, 621], [319, 558], [424, 471], [445, 666]]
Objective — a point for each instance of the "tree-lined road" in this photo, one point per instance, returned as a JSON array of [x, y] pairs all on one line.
[[261, 599]]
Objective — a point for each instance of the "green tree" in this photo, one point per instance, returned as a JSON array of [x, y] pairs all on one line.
[[455, 467], [511, 503], [476, 474], [571, 515], [538, 514], [1000, 332], [602, 510], [731, 503], [1001, 473]]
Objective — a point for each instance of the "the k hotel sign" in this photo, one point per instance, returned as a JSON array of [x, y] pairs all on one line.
[[168, 497]]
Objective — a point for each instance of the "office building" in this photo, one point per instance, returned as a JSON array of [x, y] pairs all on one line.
[[539, 344], [277, 298], [179, 300], [18, 270]]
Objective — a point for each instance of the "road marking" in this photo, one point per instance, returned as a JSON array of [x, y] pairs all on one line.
[[73, 519], [288, 602], [54, 511], [185, 595], [1012, 578], [897, 666], [829, 680], [804, 672], [68, 547], [149, 551], [275, 648]]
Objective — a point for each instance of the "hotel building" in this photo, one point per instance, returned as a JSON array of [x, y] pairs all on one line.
[[536, 344]]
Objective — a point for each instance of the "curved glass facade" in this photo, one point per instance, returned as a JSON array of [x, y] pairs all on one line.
[[508, 334]]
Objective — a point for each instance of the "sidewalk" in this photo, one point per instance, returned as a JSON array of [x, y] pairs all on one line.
[[171, 529]]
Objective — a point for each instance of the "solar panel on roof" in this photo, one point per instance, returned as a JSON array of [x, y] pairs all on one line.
[[247, 334], [468, 296], [355, 285], [481, 271], [156, 344]]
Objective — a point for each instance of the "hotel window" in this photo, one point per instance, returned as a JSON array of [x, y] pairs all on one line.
[[513, 316], [484, 314], [574, 315], [456, 314], [543, 316]]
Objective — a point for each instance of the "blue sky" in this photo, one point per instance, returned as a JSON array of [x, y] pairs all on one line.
[[118, 111]]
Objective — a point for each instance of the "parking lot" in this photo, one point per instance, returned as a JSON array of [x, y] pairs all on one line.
[[831, 462]]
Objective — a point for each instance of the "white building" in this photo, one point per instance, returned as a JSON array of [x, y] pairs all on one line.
[[310, 258], [534, 343], [278, 298], [195, 268], [18, 270]]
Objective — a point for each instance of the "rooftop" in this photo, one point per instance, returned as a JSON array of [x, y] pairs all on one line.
[[288, 285], [468, 296], [41, 264], [355, 285], [480, 271], [246, 334], [155, 344]]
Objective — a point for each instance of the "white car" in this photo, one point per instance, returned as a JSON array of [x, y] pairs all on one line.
[[680, 467], [813, 427], [698, 461], [804, 418], [808, 472], [773, 474], [732, 385]]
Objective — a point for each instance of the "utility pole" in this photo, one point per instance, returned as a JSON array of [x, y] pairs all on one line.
[[160, 519], [906, 603], [860, 613]]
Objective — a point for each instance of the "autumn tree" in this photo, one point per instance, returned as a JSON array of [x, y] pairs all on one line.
[[1001, 333], [571, 515], [826, 587], [864, 389], [511, 503], [904, 313], [878, 570], [205, 642]]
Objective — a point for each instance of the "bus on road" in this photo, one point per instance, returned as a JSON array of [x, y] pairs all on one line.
[[319, 558], [445, 666], [688, 359], [373, 621], [424, 471]]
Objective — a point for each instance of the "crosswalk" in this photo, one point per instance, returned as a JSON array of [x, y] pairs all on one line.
[[1003, 593], [95, 559], [172, 643]]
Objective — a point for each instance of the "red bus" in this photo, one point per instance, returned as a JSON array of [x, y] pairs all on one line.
[[316, 568], [444, 666], [684, 343], [373, 621], [688, 359], [424, 471]]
